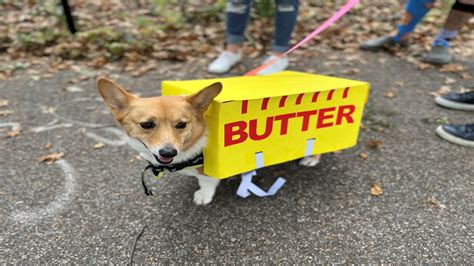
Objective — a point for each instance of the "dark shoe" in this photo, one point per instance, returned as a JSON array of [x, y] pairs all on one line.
[[439, 55], [458, 101], [459, 134], [381, 43]]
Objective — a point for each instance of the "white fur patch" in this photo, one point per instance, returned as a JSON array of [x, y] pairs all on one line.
[[142, 150]]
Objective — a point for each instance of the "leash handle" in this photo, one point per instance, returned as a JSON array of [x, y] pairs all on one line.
[[341, 12]]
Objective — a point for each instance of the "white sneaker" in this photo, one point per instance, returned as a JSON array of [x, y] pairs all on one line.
[[278, 66], [224, 62]]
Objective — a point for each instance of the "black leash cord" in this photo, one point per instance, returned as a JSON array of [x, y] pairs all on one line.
[[159, 169]]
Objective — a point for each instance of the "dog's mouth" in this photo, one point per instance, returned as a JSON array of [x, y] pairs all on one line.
[[163, 160]]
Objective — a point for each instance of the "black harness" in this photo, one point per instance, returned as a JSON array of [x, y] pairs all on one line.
[[158, 170]]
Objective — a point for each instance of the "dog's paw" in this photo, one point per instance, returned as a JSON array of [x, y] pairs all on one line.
[[310, 161], [203, 196]]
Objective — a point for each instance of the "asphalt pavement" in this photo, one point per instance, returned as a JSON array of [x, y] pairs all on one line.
[[89, 206]]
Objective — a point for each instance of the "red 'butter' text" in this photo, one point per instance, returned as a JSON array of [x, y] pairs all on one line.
[[239, 131]]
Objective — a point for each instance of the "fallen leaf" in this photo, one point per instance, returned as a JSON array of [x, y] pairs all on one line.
[[374, 144], [6, 112], [451, 68], [14, 133], [74, 89], [442, 90], [389, 94], [434, 202], [449, 81], [376, 190], [441, 120], [351, 71], [143, 69], [50, 110], [3, 102], [363, 156], [51, 158], [423, 66], [466, 76], [399, 83], [48, 145], [35, 77], [99, 145]]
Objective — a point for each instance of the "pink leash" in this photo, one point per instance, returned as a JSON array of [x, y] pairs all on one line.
[[341, 12]]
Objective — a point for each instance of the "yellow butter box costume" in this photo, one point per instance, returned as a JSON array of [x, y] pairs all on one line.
[[275, 116]]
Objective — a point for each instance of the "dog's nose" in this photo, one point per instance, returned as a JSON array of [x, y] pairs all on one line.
[[168, 151]]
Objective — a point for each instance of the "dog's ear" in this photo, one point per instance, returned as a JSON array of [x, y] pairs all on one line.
[[114, 96], [203, 98]]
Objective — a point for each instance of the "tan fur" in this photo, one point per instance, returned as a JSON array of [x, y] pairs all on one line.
[[165, 111]]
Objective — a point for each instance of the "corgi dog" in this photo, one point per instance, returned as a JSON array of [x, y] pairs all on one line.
[[168, 130]]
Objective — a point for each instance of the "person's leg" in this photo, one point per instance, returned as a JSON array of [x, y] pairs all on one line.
[[285, 20], [415, 10], [460, 13], [237, 17]]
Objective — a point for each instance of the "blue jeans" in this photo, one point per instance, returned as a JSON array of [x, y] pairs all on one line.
[[238, 14]]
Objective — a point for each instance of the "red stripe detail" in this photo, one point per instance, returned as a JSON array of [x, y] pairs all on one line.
[[265, 103], [346, 93], [245, 104], [315, 96], [282, 101], [329, 97], [299, 98]]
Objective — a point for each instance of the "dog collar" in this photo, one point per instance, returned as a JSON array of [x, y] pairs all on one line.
[[158, 170]]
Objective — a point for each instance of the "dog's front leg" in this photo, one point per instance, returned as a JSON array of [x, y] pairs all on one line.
[[207, 186]]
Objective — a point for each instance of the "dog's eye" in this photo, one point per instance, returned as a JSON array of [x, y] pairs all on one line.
[[181, 125], [147, 125]]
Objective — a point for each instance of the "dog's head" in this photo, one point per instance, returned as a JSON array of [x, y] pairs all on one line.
[[171, 128]]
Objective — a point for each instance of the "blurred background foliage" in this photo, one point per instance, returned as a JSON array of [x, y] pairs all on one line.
[[134, 30]]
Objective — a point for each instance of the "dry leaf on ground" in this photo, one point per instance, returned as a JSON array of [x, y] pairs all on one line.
[[449, 81], [363, 156], [351, 71], [423, 66], [3, 102], [6, 112], [389, 94], [74, 89], [48, 145], [376, 190], [51, 158], [442, 90], [14, 133], [99, 145], [435, 203], [374, 144], [466, 76], [451, 68]]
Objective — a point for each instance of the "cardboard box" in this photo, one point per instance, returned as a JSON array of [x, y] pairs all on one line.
[[276, 115]]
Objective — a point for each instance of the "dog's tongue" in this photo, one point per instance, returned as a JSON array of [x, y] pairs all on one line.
[[165, 160]]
